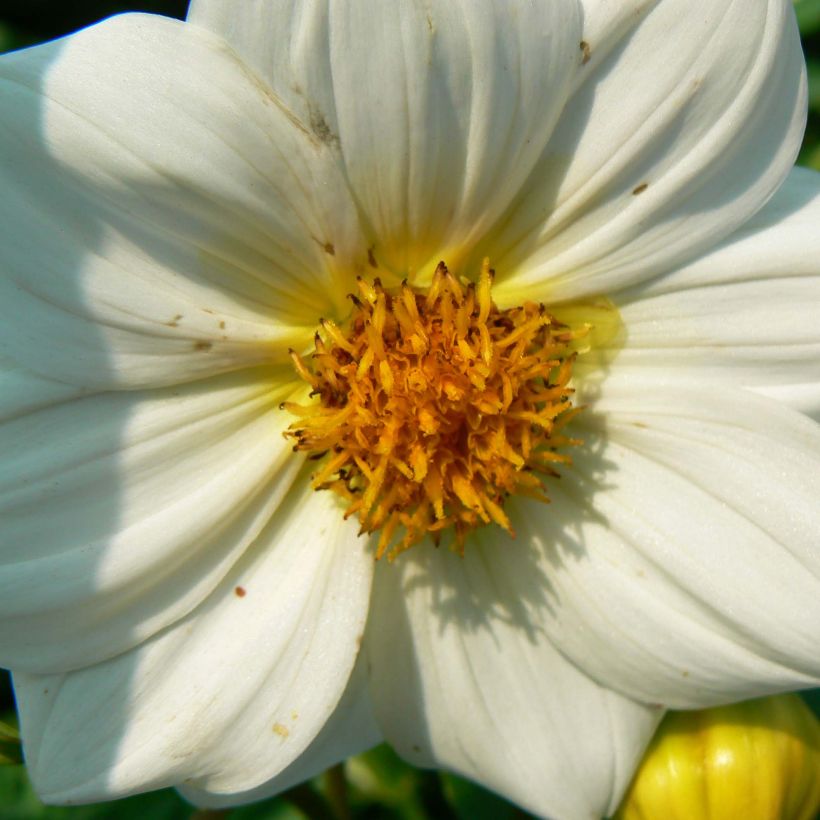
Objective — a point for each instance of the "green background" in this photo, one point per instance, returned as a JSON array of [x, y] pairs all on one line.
[[376, 784]]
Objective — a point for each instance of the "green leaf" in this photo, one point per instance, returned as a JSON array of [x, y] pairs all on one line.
[[10, 755], [8, 733], [11, 752], [810, 155], [808, 15], [12, 38], [471, 802], [7, 39], [812, 698], [382, 785], [813, 70], [382, 775], [19, 802], [276, 809]]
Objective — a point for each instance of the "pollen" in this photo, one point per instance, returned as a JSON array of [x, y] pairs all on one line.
[[431, 408]]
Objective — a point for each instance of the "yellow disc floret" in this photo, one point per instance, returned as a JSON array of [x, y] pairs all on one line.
[[434, 407]]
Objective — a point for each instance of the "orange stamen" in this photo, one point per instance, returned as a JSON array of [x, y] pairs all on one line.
[[434, 407]]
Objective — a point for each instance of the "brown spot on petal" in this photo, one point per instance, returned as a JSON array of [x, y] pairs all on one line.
[[203, 345], [640, 188], [585, 51], [240, 592], [319, 126]]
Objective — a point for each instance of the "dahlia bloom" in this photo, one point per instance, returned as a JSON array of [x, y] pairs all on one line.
[[183, 203]]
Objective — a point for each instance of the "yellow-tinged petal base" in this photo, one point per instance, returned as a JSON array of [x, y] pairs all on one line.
[[434, 407], [758, 760]]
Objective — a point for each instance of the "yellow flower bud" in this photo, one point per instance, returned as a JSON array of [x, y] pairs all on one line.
[[758, 760]]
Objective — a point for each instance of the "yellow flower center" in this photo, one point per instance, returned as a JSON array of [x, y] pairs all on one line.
[[434, 407]]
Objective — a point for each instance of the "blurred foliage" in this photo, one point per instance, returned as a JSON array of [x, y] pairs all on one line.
[[808, 17], [376, 785]]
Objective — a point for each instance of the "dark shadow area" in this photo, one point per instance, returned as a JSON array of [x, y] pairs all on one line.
[[508, 580], [39, 20], [25, 196], [32, 194]]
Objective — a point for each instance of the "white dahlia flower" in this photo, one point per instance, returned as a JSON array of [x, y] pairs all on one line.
[[185, 204]]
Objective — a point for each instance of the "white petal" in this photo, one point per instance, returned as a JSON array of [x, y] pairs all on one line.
[[228, 697], [747, 313], [680, 554], [439, 110], [805, 398], [461, 678], [676, 138], [605, 25], [120, 512], [778, 241], [23, 392], [350, 730], [163, 217]]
